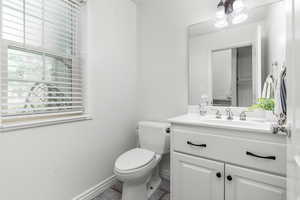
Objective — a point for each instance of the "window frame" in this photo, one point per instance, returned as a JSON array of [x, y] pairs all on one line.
[[43, 119]]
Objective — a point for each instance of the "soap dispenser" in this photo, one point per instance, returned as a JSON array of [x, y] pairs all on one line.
[[203, 106]]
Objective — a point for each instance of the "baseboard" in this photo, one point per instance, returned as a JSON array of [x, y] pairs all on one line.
[[97, 189], [165, 174]]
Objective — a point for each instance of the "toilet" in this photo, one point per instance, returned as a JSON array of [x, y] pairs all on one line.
[[138, 168]]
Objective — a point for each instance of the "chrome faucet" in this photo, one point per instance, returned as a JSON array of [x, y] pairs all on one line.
[[229, 114]]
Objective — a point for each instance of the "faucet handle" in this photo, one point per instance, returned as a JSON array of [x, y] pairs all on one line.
[[243, 115], [218, 113], [229, 113]]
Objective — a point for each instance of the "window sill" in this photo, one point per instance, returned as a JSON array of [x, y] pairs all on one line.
[[47, 122]]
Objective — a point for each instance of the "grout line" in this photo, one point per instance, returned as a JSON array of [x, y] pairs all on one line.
[[163, 195], [164, 190], [114, 189]]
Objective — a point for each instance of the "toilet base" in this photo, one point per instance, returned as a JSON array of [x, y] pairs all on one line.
[[142, 191], [154, 183], [134, 192], [153, 186]]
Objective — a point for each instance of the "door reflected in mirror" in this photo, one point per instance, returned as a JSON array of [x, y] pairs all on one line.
[[232, 77]]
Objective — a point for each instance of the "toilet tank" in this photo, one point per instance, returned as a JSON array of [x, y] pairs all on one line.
[[154, 136]]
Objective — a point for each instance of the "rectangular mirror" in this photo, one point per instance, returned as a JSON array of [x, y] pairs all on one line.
[[230, 65]]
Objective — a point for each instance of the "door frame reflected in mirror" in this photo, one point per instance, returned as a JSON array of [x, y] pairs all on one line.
[[256, 78]]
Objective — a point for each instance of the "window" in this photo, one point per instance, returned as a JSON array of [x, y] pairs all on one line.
[[41, 75]]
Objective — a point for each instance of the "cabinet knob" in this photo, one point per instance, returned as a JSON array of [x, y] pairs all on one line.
[[168, 130], [219, 175], [229, 178]]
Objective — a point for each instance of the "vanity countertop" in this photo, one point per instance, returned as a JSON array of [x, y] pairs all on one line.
[[250, 125]]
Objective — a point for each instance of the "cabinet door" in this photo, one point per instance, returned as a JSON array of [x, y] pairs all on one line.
[[246, 184], [195, 178]]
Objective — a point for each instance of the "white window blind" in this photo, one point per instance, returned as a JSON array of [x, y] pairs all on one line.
[[40, 65]]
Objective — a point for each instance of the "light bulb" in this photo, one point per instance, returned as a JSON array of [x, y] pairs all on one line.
[[221, 23], [238, 6], [239, 18]]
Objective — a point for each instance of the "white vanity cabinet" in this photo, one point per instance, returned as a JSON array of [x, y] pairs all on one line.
[[218, 164]]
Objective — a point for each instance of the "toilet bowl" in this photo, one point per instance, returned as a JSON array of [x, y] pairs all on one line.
[[138, 168]]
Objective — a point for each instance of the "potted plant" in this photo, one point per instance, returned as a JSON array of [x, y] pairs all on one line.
[[268, 105]]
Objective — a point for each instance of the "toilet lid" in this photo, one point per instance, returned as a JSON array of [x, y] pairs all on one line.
[[133, 159]]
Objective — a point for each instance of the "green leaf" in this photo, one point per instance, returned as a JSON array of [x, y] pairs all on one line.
[[265, 104]]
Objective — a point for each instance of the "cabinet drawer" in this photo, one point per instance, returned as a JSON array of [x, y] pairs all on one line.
[[256, 154]]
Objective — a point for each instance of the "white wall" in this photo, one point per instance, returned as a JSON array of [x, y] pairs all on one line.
[[162, 54], [61, 161], [276, 37]]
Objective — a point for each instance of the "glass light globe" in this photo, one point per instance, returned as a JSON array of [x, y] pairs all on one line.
[[239, 18], [238, 6]]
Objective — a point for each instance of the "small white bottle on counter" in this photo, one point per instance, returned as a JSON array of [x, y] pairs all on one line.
[[203, 106]]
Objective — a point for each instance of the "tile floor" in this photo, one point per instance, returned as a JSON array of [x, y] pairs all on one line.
[[115, 192]]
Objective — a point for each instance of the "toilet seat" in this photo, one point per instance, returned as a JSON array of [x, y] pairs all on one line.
[[134, 159]]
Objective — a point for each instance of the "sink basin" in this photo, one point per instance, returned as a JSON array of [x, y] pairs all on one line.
[[251, 124], [238, 123]]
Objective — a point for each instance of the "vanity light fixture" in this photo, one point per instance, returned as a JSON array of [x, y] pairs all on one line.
[[230, 9], [239, 12], [221, 16], [238, 6]]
